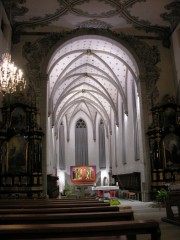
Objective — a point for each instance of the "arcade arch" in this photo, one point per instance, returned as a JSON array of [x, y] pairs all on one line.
[[95, 77]]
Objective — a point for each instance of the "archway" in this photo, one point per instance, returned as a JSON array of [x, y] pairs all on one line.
[[95, 77]]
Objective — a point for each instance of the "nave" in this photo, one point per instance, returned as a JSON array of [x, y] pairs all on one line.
[[73, 219]]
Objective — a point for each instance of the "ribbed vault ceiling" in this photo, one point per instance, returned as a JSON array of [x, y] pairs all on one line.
[[89, 74]]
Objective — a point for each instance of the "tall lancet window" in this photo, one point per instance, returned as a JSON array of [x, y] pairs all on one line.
[[123, 135], [102, 149], [136, 142], [61, 147], [81, 143]]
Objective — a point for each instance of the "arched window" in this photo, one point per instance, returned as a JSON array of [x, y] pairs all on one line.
[[102, 149], [135, 122], [81, 143], [123, 135], [61, 147]]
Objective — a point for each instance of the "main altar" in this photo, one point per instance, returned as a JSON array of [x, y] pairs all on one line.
[[102, 191]]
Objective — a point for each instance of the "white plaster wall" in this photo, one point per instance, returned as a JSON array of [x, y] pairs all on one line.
[[132, 165], [105, 172]]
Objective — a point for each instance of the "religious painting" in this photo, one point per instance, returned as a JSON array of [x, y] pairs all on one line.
[[17, 155], [171, 148], [18, 119], [83, 174]]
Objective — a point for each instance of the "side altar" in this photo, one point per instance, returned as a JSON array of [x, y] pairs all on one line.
[[20, 152]]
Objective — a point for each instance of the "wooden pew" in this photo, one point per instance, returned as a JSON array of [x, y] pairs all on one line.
[[16, 205], [66, 217], [79, 230], [25, 201], [59, 210], [34, 216], [173, 200]]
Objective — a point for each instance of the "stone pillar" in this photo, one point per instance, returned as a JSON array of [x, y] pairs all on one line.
[[42, 106], [146, 182]]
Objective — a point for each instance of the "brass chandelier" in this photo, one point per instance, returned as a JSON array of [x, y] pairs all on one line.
[[11, 78]]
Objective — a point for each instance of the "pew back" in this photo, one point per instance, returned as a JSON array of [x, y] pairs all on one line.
[[79, 230], [66, 217], [59, 210]]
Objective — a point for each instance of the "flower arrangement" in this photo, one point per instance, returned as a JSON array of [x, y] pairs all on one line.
[[161, 196]]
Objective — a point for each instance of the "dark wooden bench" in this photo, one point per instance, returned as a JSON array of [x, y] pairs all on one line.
[[46, 201], [53, 205], [66, 217], [59, 210], [173, 201], [79, 230], [59, 205]]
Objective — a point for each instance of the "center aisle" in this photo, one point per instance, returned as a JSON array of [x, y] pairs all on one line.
[[149, 210]]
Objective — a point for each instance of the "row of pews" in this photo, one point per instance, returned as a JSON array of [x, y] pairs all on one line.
[[72, 219]]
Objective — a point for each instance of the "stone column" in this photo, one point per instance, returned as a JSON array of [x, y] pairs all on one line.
[[146, 184], [42, 106]]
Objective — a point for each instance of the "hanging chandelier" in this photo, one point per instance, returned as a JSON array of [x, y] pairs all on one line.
[[11, 78]]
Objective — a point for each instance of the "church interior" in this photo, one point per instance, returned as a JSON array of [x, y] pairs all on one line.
[[90, 101]]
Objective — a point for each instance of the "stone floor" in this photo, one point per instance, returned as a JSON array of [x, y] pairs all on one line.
[[149, 210]]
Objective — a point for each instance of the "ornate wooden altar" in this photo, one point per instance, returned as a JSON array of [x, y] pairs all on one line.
[[20, 152], [164, 142]]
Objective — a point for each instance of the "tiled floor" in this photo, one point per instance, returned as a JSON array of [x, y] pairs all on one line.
[[146, 210]]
